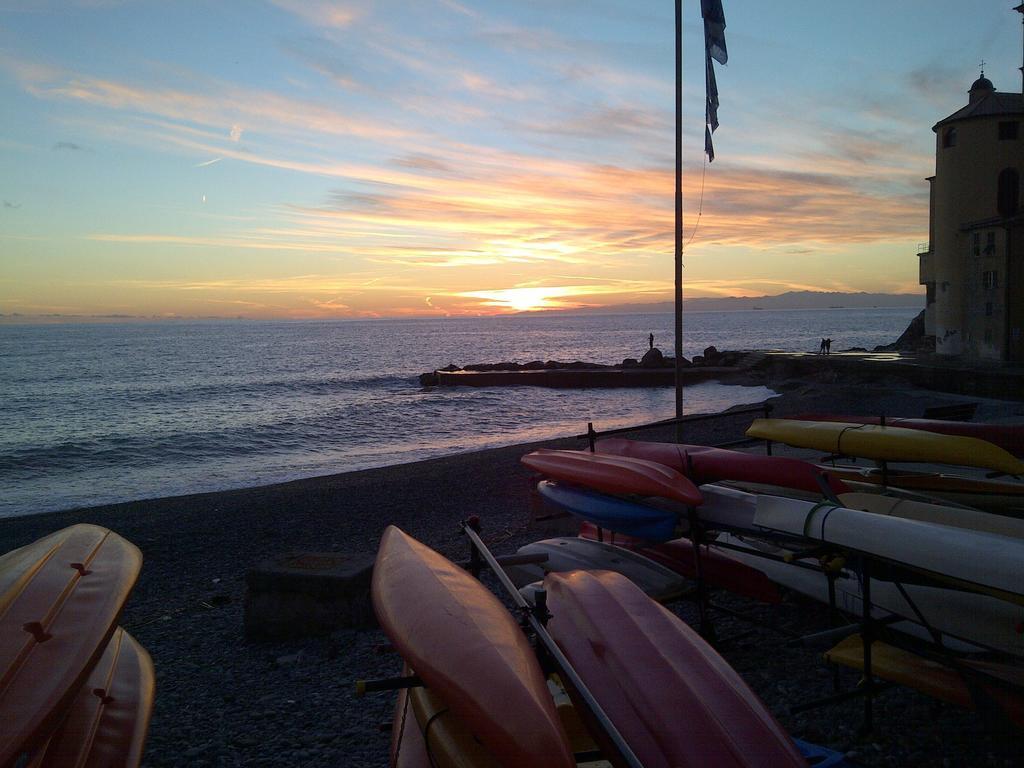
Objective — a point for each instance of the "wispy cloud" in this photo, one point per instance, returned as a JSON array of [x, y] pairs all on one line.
[[208, 162], [322, 13], [69, 145], [208, 103]]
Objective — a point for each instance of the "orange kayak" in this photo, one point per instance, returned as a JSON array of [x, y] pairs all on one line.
[[109, 718], [614, 474], [675, 701], [465, 645], [60, 599]]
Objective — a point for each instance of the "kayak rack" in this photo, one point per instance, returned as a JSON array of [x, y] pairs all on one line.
[[535, 618], [866, 567]]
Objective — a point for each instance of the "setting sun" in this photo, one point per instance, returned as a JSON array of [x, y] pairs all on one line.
[[527, 299]]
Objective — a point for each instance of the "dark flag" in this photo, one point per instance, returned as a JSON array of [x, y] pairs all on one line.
[[711, 91], [714, 30], [714, 49]]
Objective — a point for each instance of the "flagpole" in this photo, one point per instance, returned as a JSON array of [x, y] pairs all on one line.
[[679, 221]]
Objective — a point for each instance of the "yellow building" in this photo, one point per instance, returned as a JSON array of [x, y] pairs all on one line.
[[973, 264]]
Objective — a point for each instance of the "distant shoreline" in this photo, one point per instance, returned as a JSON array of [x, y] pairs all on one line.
[[826, 301]]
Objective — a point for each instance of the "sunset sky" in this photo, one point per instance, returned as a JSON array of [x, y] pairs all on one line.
[[306, 158]]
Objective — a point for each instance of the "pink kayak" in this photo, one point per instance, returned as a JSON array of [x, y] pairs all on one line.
[[704, 464], [719, 569], [675, 701], [1009, 437]]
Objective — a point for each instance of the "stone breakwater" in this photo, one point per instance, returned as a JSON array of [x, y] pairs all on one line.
[[653, 360]]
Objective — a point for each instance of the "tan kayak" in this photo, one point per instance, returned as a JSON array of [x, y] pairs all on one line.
[[60, 599], [957, 517]]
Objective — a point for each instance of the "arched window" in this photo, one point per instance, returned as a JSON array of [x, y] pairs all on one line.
[[1008, 192], [949, 137]]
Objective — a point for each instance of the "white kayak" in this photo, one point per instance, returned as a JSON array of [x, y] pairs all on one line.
[[575, 554], [968, 622], [983, 560]]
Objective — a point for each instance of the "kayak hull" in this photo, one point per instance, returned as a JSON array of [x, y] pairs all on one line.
[[930, 678], [887, 443], [718, 568], [465, 645], [408, 750], [1009, 437], [675, 701], [704, 464], [618, 475], [611, 512], [1000, 496], [955, 517], [982, 559], [969, 622], [109, 717], [60, 599], [572, 554]]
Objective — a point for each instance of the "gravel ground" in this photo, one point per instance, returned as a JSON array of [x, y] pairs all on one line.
[[222, 701]]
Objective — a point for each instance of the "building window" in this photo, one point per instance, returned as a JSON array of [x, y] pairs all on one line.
[[988, 309], [929, 293], [990, 279], [1008, 130], [990, 243], [988, 335], [976, 244], [1008, 192], [949, 138]]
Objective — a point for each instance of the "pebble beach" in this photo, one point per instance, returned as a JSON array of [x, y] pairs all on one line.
[[225, 701]]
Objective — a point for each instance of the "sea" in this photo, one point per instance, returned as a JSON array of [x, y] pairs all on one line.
[[101, 412]]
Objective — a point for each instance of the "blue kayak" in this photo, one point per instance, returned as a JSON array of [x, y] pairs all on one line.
[[611, 512]]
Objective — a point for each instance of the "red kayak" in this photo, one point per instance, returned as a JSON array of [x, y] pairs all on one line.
[[675, 701], [466, 647], [703, 464], [719, 569], [1009, 437], [614, 474]]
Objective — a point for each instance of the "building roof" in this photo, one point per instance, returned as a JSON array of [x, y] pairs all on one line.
[[991, 104], [983, 84]]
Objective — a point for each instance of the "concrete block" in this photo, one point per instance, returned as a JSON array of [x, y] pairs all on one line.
[[308, 593]]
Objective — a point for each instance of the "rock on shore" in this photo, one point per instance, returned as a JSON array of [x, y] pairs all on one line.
[[653, 358]]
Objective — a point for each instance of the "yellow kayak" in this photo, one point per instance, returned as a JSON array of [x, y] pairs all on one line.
[[870, 441], [450, 743], [940, 682]]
